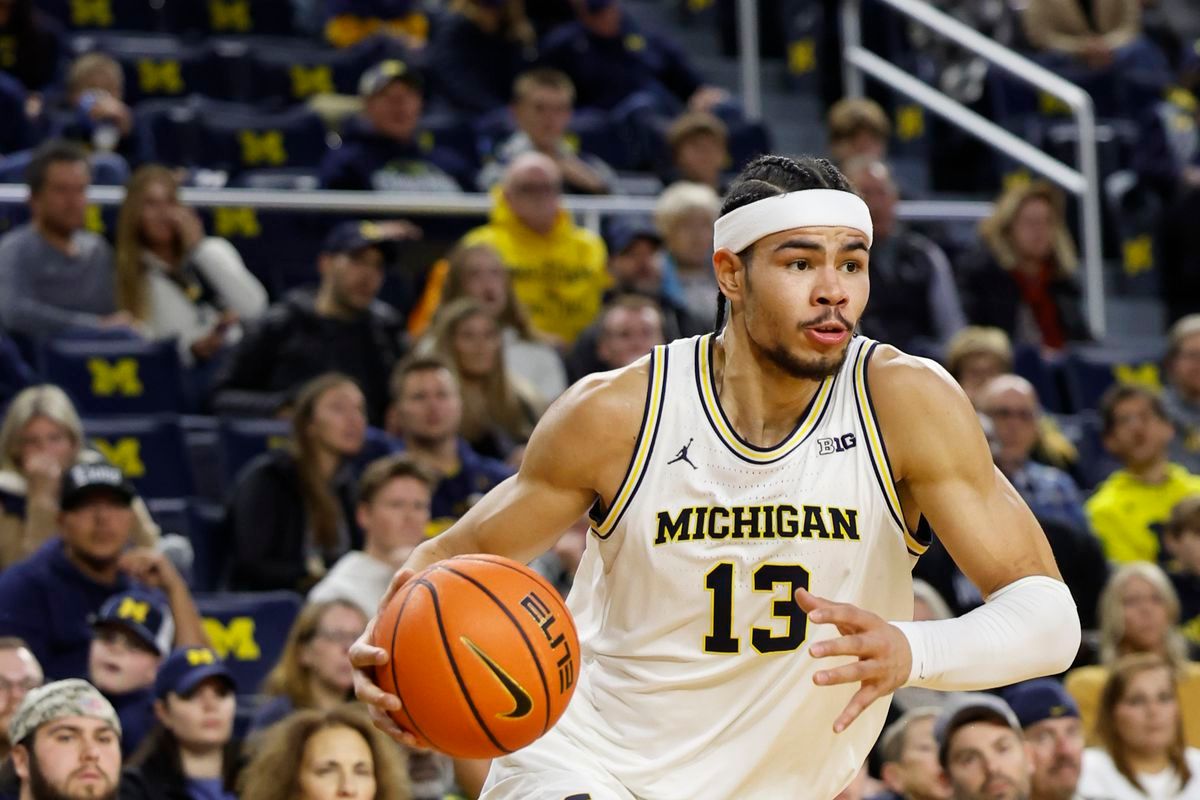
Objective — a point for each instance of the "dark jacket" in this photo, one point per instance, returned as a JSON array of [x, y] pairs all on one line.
[[472, 69], [366, 160], [990, 296], [159, 776], [292, 344], [268, 526], [35, 55]]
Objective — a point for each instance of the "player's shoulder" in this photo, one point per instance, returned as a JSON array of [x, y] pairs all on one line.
[[896, 376], [604, 401]]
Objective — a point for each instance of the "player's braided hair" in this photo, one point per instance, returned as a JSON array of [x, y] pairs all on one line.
[[767, 176]]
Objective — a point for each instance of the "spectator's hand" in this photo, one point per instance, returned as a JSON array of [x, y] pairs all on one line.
[[577, 173], [43, 475], [706, 98], [365, 657], [884, 656], [1096, 53], [110, 109], [188, 225], [209, 344], [150, 567]]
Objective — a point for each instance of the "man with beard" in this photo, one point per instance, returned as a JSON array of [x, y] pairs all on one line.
[[982, 750], [1050, 719], [67, 743]]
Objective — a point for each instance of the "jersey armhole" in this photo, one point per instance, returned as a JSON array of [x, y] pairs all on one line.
[[605, 520]]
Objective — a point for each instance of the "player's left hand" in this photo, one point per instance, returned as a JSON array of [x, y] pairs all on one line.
[[884, 656]]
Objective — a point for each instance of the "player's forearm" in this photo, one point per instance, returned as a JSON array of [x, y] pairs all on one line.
[[1026, 629]]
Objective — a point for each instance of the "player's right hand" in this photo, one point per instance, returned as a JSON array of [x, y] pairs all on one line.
[[365, 657]]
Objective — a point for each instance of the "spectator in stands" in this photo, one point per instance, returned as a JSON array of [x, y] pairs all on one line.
[[291, 514], [191, 753], [20, 673], [975, 355], [349, 22], [914, 302], [499, 411], [344, 327], [55, 275], [132, 633], [313, 671], [684, 215], [15, 374], [394, 497], [47, 598], [1127, 511], [1023, 278], [1182, 540], [1167, 162], [1053, 733], [699, 145], [321, 755], [1181, 395], [541, 109], [635, 265], [425, 415], [40, 439], [1142, 752], [478, 50], [610, 58], [176, 281], [981, 748], [858, 129], [557, 268], [94, 113], [629, 327], [66, 743], [381, 148], [909, 756], [1139, 613], [37, 48]]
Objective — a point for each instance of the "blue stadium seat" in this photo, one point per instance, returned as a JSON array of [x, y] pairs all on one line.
[[1029, 364], [150, 450], [206, 532], [291, 73], [279, 247], [125, 15], [608, 139], [1090, 370], [122, 376], [451, 132], [159, 66], [172, 125], [249, 631], [1095, 462], [241, 18], [243, 439], [236, 138]]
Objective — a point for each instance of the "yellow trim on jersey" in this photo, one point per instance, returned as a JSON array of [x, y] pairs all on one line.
[[641, 453], [875, 447], [708, 396]]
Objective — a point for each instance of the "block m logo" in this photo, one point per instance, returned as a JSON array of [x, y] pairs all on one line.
[[262, 147], [233, 222], [159, 77], [135, 610], [91, 13], [113, 377], [230, 15], [1140, 374], [312, 80], [235, 640], [125, 454]]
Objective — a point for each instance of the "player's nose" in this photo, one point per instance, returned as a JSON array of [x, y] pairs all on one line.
[[829, 288]]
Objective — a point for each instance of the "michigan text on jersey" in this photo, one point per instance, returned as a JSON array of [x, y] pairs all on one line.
[[757, 522]]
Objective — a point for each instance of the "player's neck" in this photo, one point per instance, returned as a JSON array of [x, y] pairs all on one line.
[[762, 402]]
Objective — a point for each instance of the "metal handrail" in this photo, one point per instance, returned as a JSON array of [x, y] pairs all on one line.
[[1083, 181]]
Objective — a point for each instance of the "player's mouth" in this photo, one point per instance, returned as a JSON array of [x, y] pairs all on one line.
[[827, 333]]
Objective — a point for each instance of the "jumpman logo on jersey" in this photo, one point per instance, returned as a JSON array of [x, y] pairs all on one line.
[[683, 456]]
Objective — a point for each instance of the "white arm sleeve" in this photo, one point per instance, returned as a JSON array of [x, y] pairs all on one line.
[[1025, 629]]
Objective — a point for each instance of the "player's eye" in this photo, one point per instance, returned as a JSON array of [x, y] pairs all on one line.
[[852, 266], [799, 264]]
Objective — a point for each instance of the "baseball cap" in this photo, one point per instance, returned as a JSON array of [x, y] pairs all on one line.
[[350, 237], [971, 707], [185, 668], [84, 478], [69, 698], [142, 612], [376, 78], [623, 231], [1040, 699]]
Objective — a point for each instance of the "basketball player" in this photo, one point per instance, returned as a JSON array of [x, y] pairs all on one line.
[[742, 600]]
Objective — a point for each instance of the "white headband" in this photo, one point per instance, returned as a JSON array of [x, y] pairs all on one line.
[[807, 208]]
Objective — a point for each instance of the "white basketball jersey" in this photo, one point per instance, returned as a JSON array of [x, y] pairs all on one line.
[[696, 679]]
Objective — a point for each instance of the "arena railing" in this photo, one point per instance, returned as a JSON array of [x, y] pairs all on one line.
[[1084, 181]]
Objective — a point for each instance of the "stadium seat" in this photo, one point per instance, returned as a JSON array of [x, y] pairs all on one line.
[[150, 450], [123, 376], [243, 439], [236, 138], [279, 247], [122, 15], [159, 66], [1095, 462], [1029, 364], [249, 631], [598, 134], [1133, 213], [1090, 370], [206, 529], [172, 124], [290, 73]]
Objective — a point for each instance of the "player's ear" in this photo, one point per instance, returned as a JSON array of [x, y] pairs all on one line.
[[731, 274]]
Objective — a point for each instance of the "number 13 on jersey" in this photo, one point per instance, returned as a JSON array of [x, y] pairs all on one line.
[[767, 577]]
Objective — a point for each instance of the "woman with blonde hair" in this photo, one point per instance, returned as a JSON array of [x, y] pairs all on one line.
[[40, 439], [323, 755], [1139, 613], [313, 672], [1142, 753], [172, 278], [499, 412], [291, 512], [1022, 279]]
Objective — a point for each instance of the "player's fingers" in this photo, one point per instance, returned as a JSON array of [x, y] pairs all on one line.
[[855, 645], [363, 654], [854, 672], [385, 723], [862, 698], [368, 692], [848, 618], [399, 579], [810, 602]]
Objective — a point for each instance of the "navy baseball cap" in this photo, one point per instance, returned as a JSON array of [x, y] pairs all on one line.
[[83, 479], [1040, 699], [187, 667], [353, 236], [967, 708], [378, 77], [142, 612], [624, 231]]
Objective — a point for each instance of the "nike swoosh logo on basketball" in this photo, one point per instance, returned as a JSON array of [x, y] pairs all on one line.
[[523, 702]]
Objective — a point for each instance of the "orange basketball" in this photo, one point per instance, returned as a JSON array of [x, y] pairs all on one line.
[[482, 654]]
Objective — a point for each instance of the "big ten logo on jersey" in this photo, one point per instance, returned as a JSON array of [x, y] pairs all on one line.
[[541, 614], [835, 444], [159, 77], [233, 639], [230, 16], [115, 377], [262, 147], [310, 80], [125, 454], [91, 13]]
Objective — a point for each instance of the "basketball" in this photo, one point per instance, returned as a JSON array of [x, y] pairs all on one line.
[[482, 654]]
